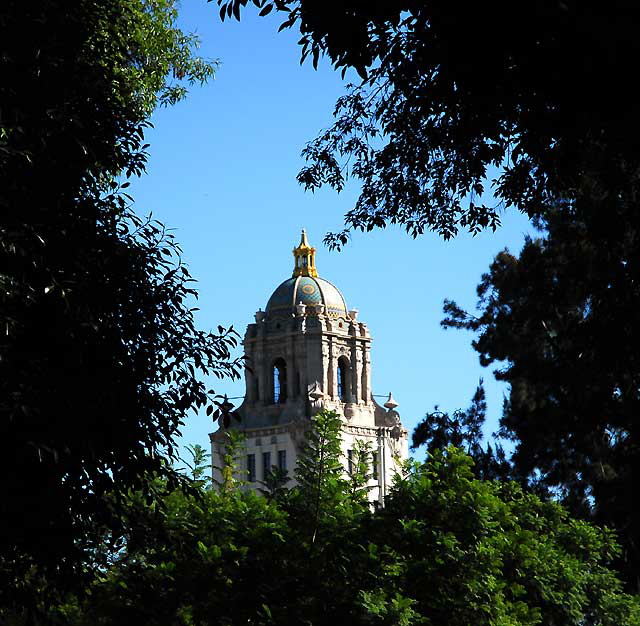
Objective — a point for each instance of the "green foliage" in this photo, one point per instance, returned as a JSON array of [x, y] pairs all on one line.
[[100, 358], [360, 474], [213, 559], [473, 552], [447, 549], [199, 466], [275, 483], [319, 472], [231, 473]]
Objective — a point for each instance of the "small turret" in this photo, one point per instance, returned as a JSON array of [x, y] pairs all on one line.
[[305, 258]]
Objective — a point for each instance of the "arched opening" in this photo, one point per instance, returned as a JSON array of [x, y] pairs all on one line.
[[343, 379], [279, 381]]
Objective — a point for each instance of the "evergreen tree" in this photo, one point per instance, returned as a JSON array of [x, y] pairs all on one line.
[[463, 429], [561, 319]]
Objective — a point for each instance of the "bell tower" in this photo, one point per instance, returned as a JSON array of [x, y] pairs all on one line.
[[306, 351]]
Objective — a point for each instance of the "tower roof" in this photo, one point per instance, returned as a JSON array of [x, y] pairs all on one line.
[[306, 287]]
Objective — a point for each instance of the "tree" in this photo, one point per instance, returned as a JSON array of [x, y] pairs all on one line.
[[538, 90], [199, 466], [438, 430], [319, 473], [100, 358], [328, 512], [561, 319], [229, 557], [202, 558], [465, 551], [447, 549]]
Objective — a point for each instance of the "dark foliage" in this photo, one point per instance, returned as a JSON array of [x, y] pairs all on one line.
[[100, 360], [463, 429], [539, 90], [564, 317]]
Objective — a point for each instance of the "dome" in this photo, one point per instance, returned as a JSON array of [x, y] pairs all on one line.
[[306, 287], [309, 290]]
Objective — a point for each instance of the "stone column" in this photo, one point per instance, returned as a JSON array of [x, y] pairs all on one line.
[[266, 391], [354, 392], [365, 384], [328, 369], [291, 369]]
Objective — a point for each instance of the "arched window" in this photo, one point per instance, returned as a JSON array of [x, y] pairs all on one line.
[[343, 379], [279, 381]]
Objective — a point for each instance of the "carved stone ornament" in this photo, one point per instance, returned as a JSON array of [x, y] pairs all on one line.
[[390, 403], [396, 433], [349, 411], [391, 418], [315, 391]]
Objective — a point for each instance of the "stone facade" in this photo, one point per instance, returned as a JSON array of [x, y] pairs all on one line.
[[306, 352]]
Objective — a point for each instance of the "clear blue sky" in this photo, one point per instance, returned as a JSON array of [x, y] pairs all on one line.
[[222, 174]]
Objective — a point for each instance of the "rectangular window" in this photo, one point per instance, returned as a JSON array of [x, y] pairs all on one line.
[[374, 465], [266, 464], [282, 460], [251, 467], [350, 461]]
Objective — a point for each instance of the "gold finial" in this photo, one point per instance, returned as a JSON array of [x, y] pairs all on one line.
[[305, 258]]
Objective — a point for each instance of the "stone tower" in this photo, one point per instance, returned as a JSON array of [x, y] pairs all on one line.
[[306, 352]]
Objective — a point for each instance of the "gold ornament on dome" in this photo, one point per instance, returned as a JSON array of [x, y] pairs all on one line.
[[305, 258]]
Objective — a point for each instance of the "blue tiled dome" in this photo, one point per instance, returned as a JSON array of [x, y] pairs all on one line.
[[308, 290]]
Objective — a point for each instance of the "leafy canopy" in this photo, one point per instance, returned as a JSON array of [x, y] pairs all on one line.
[[447, 549], [537, 92], [100, 357]]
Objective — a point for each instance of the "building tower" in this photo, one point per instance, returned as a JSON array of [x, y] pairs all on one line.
[[306, 352]]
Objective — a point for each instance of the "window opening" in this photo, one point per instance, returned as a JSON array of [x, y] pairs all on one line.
[[251, 467], [266, 464], [282, 460], [279, 382], [342, 379]]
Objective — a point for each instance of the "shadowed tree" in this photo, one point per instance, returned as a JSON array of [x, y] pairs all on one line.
[[463, 429], [562, 320], [100, 358], [538, 90]]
